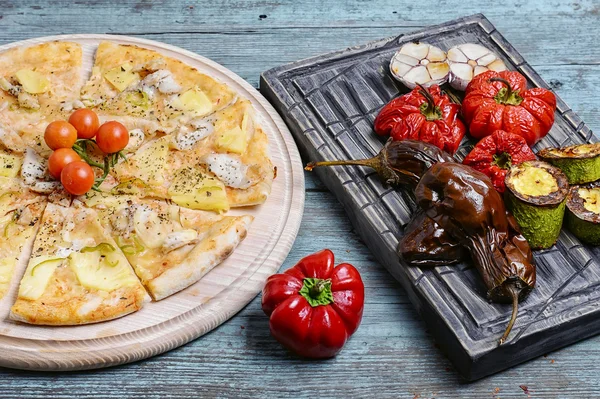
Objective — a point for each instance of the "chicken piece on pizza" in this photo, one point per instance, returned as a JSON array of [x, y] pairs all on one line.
[[169, 247], [76, 273]]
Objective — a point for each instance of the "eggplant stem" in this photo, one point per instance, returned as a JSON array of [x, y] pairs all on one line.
[[515, 311], [360, 162]]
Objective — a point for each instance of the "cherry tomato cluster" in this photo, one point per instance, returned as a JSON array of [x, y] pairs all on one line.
[[66, 164]]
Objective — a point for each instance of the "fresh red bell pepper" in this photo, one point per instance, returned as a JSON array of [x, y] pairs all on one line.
[[425, 115], [314, 307], [495, 154], [500, 101]]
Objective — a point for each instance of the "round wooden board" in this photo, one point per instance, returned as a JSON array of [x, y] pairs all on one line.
[[174, 321]]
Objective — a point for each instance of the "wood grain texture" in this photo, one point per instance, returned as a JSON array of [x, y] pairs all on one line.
[[330, 102], [391, 355]]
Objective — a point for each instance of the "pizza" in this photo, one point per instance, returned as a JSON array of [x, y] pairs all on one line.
[[170, 247], [76, 274], [154, 218]]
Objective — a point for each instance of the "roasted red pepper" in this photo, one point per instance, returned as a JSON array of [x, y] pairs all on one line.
[[424, 115], [494, 155], [314, 307], [500, 101]]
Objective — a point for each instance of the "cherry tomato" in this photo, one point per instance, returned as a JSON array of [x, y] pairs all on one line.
[[112, 137], [77, 177], [86, 123], [60, 158], [60, 134]]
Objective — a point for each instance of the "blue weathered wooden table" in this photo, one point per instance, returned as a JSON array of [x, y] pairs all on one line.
[[392, 354]]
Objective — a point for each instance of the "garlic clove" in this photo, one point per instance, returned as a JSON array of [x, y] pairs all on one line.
[[474, 51], [415, 50], [418, 75], [438, 70], [469, 60], [420, 63], [486, 59], [497, 66], [479, 69], [436, 54], [399, 68], [455, 55], [406, 59]]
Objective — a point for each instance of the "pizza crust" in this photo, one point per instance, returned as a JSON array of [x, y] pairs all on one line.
[[220, 242], [91, 308]]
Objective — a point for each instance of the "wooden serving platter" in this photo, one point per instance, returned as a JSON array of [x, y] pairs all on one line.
[[330, 103], [174, 321]]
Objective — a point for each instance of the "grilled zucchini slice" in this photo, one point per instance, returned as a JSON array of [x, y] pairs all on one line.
[[536, 195]]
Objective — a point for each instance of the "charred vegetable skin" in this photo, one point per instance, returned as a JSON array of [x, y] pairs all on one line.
[[580, 163], [427, 244], [582, 217], [495, 154], [461, 210], [536, 194], [501, 101], [423, 114], [466, 205], [399, 162]]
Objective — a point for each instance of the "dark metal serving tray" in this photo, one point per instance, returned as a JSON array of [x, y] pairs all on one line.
[[330, 102]]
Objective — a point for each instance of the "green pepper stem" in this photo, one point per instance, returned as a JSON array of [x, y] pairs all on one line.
[[515, 311], [425, 93], [506, 95], [316, 290], [503, 160], [431, 111]]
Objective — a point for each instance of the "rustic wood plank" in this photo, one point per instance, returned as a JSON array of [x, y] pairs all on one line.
[[391, 355]]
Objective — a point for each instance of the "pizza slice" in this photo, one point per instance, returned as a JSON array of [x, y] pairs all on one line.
[[223, 163], [20, 213], [169, 247], [76, 273], [39, 84], [138, 83]]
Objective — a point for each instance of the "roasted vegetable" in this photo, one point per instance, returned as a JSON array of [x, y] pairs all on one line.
[[466, 205], [423, 114], [495, 154], [468, 60], [580, 163], [536, 194], [427, 244], [399, 162], [461, 212], [582, 217], [420, 63], [501, 101]]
